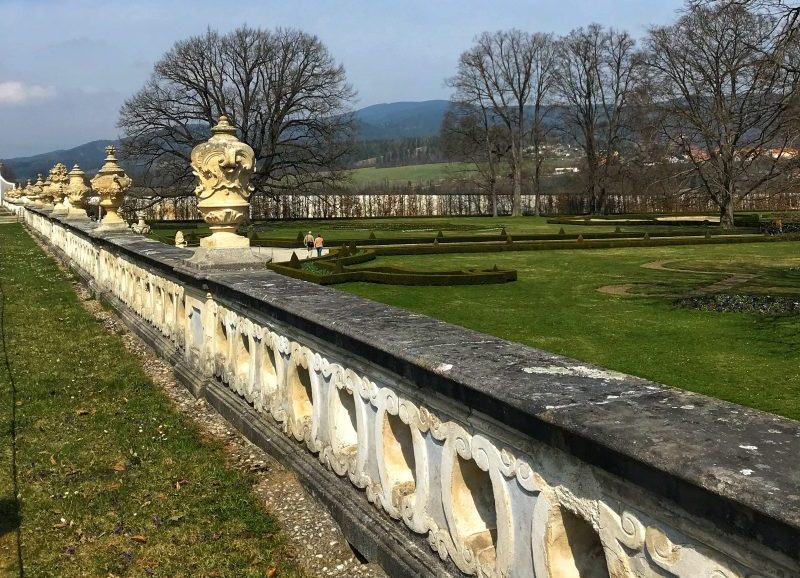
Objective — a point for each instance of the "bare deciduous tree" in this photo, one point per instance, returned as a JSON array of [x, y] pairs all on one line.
[[470, 133], [499, 75], [724, 89], [282, 90], [543, 80], [597, 71]]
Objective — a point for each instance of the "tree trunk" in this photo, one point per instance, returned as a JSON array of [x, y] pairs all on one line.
[[516, 204], [493, 193], [536, 184], [726, 213]]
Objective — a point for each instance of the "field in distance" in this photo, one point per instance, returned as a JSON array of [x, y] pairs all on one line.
[[431, 172]]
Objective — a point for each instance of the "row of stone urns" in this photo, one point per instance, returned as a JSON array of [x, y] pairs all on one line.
[[67, 192], [223, 165]]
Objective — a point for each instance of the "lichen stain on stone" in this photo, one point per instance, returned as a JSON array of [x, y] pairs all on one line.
[[577, 371], [443, 367]]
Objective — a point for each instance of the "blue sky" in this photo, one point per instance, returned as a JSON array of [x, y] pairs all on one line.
[[66, 66]]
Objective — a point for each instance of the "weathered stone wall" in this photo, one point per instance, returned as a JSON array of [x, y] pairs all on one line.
[[512, 462]]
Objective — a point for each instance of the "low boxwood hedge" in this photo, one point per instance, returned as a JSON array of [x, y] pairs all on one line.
[[742, 220], [290, 244], [573, 244], [332, 269]]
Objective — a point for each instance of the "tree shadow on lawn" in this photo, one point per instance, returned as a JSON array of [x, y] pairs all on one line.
[[10, 517]]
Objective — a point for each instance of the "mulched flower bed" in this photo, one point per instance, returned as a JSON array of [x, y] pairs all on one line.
[[724, 303]]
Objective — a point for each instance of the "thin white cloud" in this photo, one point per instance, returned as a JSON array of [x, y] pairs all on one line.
[[14, 92]]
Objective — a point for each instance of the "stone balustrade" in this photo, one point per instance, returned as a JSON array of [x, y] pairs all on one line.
[[508, 461]]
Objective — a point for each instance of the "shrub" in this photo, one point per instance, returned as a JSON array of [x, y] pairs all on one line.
[[372, 235], [392, 275]]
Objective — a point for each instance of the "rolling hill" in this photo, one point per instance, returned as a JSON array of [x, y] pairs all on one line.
[[401, 119], [386, 121]]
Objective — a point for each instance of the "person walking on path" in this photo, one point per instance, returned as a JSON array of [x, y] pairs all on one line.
[[319, 242], [309, 243]]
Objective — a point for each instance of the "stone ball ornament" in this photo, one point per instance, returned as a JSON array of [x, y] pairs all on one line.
[[223, 166], [111, 184]]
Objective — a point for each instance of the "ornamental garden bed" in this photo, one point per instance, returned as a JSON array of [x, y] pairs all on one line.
[[339, 268]]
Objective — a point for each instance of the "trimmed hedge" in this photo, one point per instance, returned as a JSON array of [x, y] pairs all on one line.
[[742, 220], [397, 276], [332, 269], [573, 244], [292, 244]]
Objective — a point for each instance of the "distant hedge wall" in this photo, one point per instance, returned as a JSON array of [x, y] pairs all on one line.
[[291, 243]]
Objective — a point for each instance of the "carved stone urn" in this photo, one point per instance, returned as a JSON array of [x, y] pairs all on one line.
[[224, 165], [111, 184], [78, 193], [58, 186], [46, 196], [35, 192], [14, 195]]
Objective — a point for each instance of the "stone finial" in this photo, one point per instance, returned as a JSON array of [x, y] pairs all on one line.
[[58, 186], [77, 192], [46, 196], [111, 184], [180, 240], [223, 165], [35, 191], [15, 194]]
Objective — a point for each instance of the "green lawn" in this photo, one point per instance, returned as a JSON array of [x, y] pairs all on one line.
[[432, 172], [746, 358], [336, 229], [414, 173], [111, 480]]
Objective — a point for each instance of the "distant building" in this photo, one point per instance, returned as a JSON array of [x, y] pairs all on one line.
[[785, 153]]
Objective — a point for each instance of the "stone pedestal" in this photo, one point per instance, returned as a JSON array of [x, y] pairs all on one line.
[[227, 259], [225, 240]]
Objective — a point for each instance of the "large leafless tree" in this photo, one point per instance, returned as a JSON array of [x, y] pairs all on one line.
[[281, 88], [543, 80], [598, 70], [726, 91], [471, 133], [499, 76]]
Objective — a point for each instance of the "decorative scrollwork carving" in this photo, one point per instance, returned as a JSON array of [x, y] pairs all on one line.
[[111, 184], [223, 166]]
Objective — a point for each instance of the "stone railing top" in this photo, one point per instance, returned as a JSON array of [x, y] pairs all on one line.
[[735, 466]]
